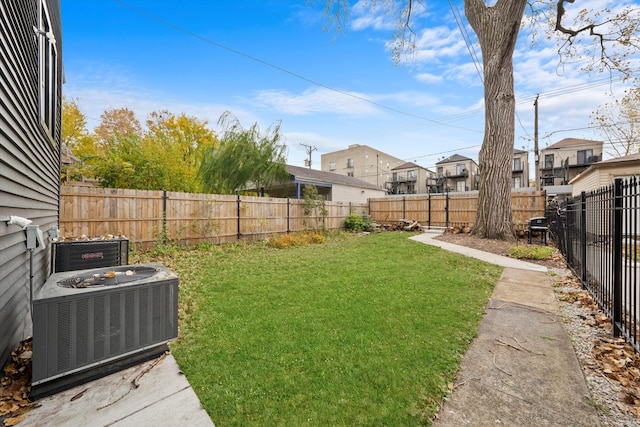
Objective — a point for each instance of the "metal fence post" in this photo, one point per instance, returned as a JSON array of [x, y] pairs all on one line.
[[238, 204], [617, 257], [446, 209], [583, 237], [164, 217], [404, 207], [429, 212]]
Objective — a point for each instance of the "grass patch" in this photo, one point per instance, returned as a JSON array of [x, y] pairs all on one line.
[[530, 252], [363, 330]]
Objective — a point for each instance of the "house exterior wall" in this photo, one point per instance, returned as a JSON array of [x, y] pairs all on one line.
[[457, 176], [362, 162], [601, 177], [29, 153], [520, 172], [558, 166], [347, 194], [411, 180]]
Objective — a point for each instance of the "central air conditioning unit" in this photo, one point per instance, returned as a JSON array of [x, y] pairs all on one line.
[[85, 254], [90, 323]]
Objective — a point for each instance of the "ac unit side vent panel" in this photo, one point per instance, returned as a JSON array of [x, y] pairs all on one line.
[[82, 255], [74, 329]]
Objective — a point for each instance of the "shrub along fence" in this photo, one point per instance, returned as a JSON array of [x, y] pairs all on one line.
[[452, 209], [146, 217]]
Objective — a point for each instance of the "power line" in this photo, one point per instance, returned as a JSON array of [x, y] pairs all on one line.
[[453, 5], [282, 69], [444, 121]]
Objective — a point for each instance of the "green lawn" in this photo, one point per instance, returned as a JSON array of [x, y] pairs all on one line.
[[358, 331]]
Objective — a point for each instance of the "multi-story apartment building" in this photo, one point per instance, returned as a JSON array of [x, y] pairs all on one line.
[[410, 178], [561, 162], [456, 173], [520, 171], [362, 162]]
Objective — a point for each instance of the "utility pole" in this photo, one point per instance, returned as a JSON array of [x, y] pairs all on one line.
[[535, 144], [309, 149]]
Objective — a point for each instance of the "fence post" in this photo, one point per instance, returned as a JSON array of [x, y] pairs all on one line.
[[164, 217], [238, 205], [429, 212], [617, 257], [446, 209], [583, 237], [404, 207], [288, 216]]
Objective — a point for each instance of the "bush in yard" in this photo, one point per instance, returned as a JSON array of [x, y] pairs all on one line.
[[356, 223]]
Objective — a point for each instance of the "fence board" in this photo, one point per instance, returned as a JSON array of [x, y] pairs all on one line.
[[185, 218], [453, 209]]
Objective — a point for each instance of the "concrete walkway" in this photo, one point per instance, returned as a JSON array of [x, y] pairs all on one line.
[[521, 369], [163, 398]]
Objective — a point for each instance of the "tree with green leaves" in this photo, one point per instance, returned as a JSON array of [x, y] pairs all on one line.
[[244, 158], [77, 139], [182, 140], [117, 122], [609, 38], [120, 154], [619, 123]]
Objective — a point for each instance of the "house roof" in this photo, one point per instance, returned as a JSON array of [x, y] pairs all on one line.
[[516, 151], [635, 157], [316, 176], [408, 165], [570, 142], [454, 158], [610, 163]]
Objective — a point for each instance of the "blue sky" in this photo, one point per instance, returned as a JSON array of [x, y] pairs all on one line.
[[270, 60]]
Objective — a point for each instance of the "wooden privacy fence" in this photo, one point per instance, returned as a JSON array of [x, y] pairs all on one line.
[[146, 217], [452, 209]]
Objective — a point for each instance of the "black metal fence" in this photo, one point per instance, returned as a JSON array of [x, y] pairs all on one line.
[[597, 232]]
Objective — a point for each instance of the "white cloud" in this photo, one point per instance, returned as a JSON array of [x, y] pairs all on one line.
[[317, 101], [377, 16], [428, 78]]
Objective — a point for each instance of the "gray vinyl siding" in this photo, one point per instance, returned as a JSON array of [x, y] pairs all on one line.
[[29, 162]]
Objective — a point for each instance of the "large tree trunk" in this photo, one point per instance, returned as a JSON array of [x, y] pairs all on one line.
[[497, 29]]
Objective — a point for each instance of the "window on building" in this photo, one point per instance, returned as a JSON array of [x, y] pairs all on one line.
[[516, 182], [47, 72], [395, 177], [460, 185], [548, 161], [349, 163], [411, 175], [547, 180], [440, 171], [332, 166], [349, 173], [411, 189], [460, 169], [583, 156], [517, 164]]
